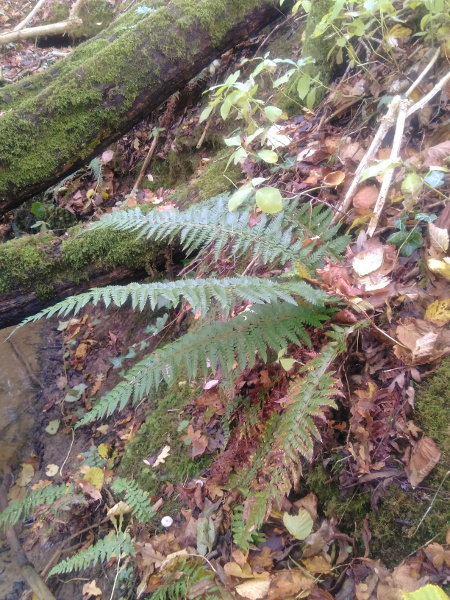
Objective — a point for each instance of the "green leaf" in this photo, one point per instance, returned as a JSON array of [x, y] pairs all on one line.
[[269, 200], [303, 85], [239, 197], [311, 99], [226, 107], [381, 167], [205, 113], [273, 113], [287, 363], [269, 156], [411, 187], [299, 526], [233, 141], [75, 393], [53, 427]]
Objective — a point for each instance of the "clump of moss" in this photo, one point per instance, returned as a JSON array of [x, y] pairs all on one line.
[[161, 429]]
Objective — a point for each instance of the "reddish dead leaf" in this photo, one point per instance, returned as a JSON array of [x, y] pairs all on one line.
[[335, 276], [424, 458], [364, 200]]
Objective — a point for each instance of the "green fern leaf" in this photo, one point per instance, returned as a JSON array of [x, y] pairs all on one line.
[[103, 550], [135, 497], [21, 509], [217, 345], [198, 292]]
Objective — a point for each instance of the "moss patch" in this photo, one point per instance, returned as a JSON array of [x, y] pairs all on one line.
[[159, 430]]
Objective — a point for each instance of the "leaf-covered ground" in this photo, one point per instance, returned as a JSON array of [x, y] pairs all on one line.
[[370, 515]]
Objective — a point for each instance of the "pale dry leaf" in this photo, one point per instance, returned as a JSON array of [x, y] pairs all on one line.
[[439, 239], [370, 258], [91, 589], [121, 508], [309, 503], [161, 458], [51, 470], [26, 475], [254, 589]]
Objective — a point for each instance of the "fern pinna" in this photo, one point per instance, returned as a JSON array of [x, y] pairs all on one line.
[[288, 438]]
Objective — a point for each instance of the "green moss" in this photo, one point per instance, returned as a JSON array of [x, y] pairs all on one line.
[[40, 262], [212, 181], [65, 122], [159, 430], [96, 15], [432, 407]]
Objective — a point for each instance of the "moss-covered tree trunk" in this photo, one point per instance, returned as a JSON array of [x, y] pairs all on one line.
[[53, 123]]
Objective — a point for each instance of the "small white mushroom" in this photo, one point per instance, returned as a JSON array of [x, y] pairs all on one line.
[[166, 522]]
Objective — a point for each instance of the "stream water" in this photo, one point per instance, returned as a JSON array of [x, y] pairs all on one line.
[[19, 384]]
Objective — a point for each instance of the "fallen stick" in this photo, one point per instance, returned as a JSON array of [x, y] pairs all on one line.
[[27, 570], [30, 16]]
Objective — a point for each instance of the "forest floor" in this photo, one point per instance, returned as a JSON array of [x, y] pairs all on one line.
[[377, 490]]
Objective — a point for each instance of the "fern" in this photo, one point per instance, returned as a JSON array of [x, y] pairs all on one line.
[[111, 545], [21, 509], [288, 438], [279, 237], [135, 497], [198, 292], [218, 345], [176, 587]]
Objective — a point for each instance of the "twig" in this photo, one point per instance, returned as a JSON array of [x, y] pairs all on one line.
[[424, 72], [30, 16], [71, 444], [202, 137], [432, 502], [251, 264], [437, 88], [72, 22], [27, 570], [386, 122], [147, 160], [395, 152]]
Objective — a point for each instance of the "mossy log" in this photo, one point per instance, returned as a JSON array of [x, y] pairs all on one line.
[[53, 123], [38, 270]]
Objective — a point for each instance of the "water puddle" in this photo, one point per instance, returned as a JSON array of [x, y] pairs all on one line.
[[19, 384]]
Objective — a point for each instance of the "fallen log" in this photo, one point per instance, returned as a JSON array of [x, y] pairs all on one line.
[[53, 123]]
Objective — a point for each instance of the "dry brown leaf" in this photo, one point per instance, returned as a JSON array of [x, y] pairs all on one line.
[[439, 240], [317, 564], [25, 476], [370, 258], [439, 556], [364, 200], [436, 155], [309, 503], [286, 584], [424, 341], [425, 456]]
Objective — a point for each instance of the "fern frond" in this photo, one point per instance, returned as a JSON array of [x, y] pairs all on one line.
[[279, 238], [198, 292], [216, 345], [21, 509], [135, 497], [111, 545], [97, 170], [288, 438]]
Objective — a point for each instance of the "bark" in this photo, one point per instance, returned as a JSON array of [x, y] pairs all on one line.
[[53, 123]]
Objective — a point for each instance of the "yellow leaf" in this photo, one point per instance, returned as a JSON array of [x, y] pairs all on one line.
[[439, 312], [90, 193], [95, 476], [317, 564], [440, 267], [121, 508], [81, 350], [103, 450], [26, 475], [334, 179], [399, 31], [429, 592], [302, 271], [253, 589]]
